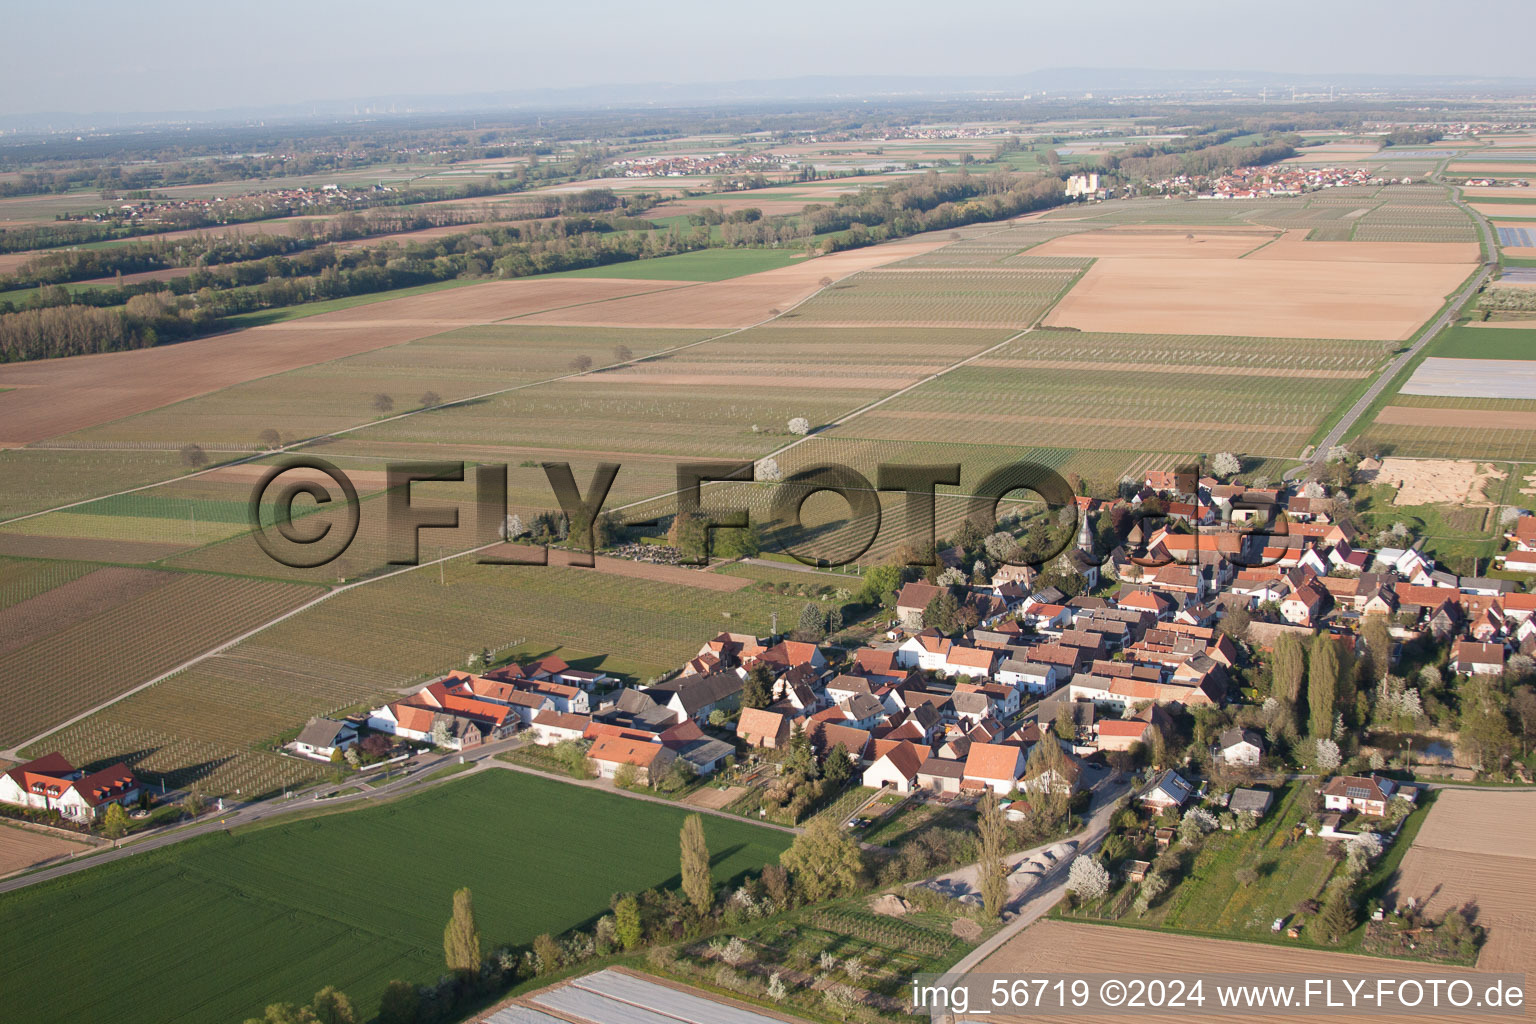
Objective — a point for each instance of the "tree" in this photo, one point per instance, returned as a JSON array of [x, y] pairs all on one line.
[[697, 885], [942, 612], [331, 1006], [1377, 638], [1065, 725], [461, 936], [824, 861], [400, 1004], [881, 585], [192, 803], [1152, 886], [993, 829], [626, 922], [838, 768], [757, 690], [1322, 685], [1087, 878], [581, 364], [1288, 668], [1483, 729], [800, 426], [1325, 757], [1226, 464], [1338, 917], [546, 954], [430, 399], [627, 776], [383, 404], [115, 824], [813, 624], [1523, 703], [1245, 876], [270, 438], [622, 354], [193, 456], [767, 470]]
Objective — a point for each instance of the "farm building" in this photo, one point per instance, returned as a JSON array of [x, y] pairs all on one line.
[[50, 783]]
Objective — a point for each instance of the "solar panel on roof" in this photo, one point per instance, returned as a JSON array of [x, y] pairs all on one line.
[[1357, 792]]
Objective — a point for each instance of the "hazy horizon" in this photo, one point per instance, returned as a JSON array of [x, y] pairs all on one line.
[[171, 55]]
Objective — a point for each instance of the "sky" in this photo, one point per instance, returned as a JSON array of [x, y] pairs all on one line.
[[166, 55]]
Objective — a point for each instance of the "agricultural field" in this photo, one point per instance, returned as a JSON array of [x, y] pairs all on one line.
[[365, 645], [1473, 378], [51, 397], [1052, 947], [340, 393], [116, 628], [22, 848], [287, 909], [1434, 427], [1148, 392], [1475, 848]]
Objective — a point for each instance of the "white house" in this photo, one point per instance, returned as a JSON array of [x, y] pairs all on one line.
[[322, 738], [1032, 676], [897, 768], [1242, 747], [50, 783]]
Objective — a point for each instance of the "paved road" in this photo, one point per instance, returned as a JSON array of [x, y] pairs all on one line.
[[1053, 885], [1440, 323]]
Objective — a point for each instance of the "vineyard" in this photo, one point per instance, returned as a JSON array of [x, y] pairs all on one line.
[[1102, 408], [973, 297], [1345, 358], [363, 646], [340, 393], [39, 478], [1411, 220], [21, 579], [97, 658]]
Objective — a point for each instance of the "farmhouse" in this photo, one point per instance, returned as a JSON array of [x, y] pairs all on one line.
[[759, 727], [993, 766], [50, 783], [1472, 658], [553, 726], [897, 768], [696, 697], [941, 775], [611, 753], [322, 738]]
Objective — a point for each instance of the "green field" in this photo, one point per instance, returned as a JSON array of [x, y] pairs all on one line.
[[1461, 342], [704, 265], [924, 296], [353, 899]]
